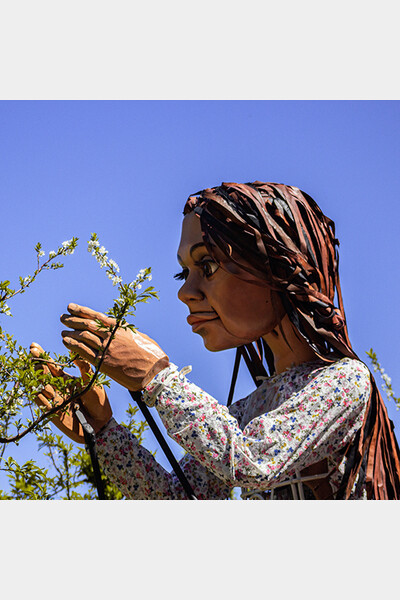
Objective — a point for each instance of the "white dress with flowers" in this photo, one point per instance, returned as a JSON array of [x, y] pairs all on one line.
[[261, 443]]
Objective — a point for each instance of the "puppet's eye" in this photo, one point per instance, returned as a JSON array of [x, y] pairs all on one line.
[[209, 267]]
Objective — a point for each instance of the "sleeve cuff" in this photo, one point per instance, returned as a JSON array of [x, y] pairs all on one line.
[[112, 423], [161, 381]]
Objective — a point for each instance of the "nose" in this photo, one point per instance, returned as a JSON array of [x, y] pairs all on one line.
[[190, 291]]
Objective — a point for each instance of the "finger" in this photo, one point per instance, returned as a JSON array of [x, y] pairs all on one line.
[[85, 369], [49, 392], [36, 351], [79, 348], [37, 348], [85, 337], [88, 313], [47, 397], [71, 428], [49, 366], [42, 401], [83, 324]]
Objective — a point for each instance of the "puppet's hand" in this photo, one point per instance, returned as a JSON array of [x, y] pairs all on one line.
[[94, 404], [132, 359]]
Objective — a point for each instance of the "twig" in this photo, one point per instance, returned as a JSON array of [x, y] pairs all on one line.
[[53, 362], [72, 398]]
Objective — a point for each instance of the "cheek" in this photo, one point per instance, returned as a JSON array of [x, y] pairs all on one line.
[[246, 310]]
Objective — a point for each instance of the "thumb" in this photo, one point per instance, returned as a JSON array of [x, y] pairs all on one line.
[[36, 350], [85, 369]]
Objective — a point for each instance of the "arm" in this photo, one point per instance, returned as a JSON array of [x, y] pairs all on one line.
[[311, 424], [138, 475], [130, 466], [132, 360]]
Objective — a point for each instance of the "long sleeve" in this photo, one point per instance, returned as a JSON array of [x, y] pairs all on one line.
[[139, 476], [315, 412]]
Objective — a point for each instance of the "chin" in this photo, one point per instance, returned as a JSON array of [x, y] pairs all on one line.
[[219, 345], [214, 348], [218, 339]]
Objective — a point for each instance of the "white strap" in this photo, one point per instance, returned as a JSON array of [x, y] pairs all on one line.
[[299, 485]]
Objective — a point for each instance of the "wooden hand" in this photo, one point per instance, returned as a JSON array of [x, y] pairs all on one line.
[[132, 359], [94, 404]]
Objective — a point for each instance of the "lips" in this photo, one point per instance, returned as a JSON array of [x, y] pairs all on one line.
[[201, 317]]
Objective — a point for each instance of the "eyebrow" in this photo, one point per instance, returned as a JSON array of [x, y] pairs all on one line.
[[192, 249]]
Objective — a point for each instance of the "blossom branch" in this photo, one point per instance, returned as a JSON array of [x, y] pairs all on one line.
[[72, 399], [67, 247], [124, 305]]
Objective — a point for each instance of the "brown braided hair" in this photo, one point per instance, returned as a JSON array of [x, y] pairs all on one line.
[[280, 235]]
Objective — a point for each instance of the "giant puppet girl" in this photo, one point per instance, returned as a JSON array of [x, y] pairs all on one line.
[[259, 271]]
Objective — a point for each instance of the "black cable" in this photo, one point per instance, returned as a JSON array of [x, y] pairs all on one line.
[[234, 376], [257, 368], [137, 396], [90, 441]]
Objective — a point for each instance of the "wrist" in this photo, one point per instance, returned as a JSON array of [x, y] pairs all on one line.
[[103, 428], [159, 366], [165, 379]]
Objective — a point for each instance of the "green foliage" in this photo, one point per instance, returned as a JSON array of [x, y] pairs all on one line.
[[387, 382], [69, 474], [71, 469]]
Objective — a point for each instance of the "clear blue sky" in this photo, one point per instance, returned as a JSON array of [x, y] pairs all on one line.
[[125, 169]]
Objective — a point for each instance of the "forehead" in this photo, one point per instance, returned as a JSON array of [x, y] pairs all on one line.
[[191, 234]]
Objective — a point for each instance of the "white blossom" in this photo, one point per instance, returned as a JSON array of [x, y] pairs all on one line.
[[112, 263], [102, 261], [92, 245], [5, 309]]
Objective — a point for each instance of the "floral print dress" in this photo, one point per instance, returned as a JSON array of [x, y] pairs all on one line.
[[261, 443]]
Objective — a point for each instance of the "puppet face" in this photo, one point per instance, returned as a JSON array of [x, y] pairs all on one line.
[[225, 310]]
